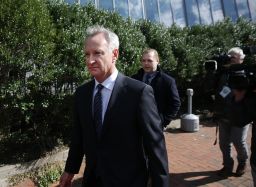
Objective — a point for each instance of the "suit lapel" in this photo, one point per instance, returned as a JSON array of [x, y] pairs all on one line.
[[86, 104], [90, 97], [117, 89]]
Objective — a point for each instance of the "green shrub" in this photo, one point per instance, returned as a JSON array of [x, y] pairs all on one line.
[[42, 177], [26, 68], [42, 63], [48, 174]]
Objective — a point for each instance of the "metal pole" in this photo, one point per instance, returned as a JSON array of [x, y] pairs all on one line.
[[189, 93]]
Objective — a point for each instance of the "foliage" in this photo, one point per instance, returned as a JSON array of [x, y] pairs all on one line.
[[132, 41], [158, 37], [42, 62], [43, 176], [48, 174], [26, 67], [70, 23]]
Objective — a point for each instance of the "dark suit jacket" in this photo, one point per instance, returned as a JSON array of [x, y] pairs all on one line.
[[132, 144], [166, 94]]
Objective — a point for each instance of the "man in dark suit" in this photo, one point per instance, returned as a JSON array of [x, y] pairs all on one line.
[[122, 139], [164, 86]]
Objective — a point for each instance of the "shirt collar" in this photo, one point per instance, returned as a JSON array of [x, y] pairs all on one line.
[[151, 74], [109, 82]]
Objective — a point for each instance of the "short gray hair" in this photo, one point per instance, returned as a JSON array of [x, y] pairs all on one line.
[[110, 36]]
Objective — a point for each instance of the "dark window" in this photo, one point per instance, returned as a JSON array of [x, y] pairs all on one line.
[[230, 9], [106, 4], [151, 10], [243, 9], [252, 5], [217, 13], [205, 12], [192, 12], [178, 12], [165, 12], [85, 2], [136, 11], [181, 12], [121, 6], [70, 1]]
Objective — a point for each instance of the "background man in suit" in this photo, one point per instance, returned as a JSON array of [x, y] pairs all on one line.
[[164, 86], [124, 145]]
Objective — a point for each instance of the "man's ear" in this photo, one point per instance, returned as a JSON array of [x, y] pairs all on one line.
[[115, 54]]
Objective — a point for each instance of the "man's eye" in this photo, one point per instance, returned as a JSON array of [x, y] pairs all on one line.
[[99, 53]]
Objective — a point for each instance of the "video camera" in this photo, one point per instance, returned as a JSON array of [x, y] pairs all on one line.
[[240, 76]]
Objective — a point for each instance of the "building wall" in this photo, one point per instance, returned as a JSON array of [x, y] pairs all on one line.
[[181, 12]]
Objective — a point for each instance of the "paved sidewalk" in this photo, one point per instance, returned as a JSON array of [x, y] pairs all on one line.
[[193, 159]]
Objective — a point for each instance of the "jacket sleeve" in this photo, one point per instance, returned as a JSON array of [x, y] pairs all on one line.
[[173, 103], [153, 139], [75, 155]]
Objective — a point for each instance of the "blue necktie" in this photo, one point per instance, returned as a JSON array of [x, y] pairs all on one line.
[[98, 109], [148, 76]]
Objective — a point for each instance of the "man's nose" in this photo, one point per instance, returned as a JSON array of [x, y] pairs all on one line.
[[145, 62], [90, 59]]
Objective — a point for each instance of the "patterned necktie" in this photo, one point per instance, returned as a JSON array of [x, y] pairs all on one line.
[[98, 109], [147, 79]]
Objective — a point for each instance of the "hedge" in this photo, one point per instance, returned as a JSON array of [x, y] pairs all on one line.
[[42, 62]]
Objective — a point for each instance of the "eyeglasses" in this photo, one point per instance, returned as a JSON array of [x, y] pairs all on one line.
[[237, 58]]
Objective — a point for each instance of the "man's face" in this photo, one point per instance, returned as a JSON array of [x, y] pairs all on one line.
[[237, 59], [149, 62], [100, 61]]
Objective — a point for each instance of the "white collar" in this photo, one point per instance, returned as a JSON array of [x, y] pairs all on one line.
[[109, 82]]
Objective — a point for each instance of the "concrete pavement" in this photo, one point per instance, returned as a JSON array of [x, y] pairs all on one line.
[[194, 160]]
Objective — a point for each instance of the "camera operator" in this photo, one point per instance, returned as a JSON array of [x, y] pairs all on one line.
[[232, 113]]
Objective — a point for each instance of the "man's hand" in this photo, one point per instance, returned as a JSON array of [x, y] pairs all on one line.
[[65, 180]]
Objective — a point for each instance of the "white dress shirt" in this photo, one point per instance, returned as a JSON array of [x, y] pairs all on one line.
[[106, 91]]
